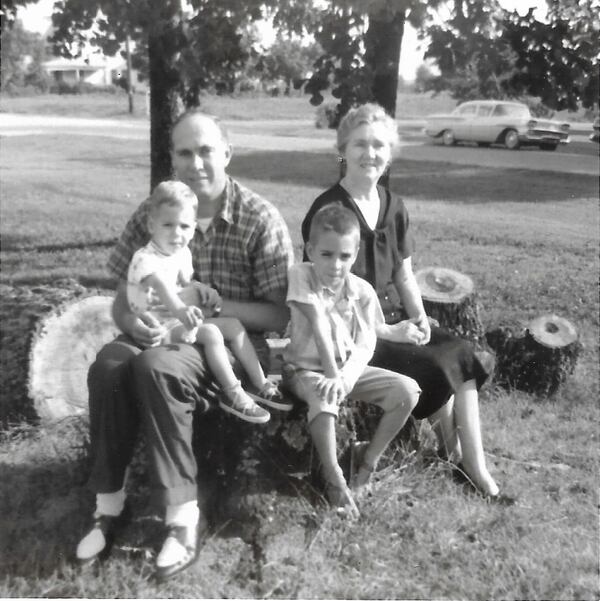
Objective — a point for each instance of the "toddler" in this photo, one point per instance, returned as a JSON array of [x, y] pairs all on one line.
[[158, 273]]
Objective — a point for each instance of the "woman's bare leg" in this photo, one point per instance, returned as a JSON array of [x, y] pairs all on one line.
[[466, 414], [444, 427]]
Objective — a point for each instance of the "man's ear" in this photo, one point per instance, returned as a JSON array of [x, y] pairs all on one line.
[[228, 154]]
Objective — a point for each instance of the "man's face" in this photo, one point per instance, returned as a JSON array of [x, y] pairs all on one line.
[[200, 156]]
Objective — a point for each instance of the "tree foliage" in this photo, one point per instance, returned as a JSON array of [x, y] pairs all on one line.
[[288, 59], [188, 48], [8, 12], [361, 40], [483, 51], [21, 55]]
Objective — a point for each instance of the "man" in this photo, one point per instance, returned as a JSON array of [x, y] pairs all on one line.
[[242, 249]]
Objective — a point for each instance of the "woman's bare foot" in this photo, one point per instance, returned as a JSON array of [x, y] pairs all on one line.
[[482, 480]]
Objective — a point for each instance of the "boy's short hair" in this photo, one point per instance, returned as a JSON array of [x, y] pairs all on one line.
[[334, 218], [172, 193]]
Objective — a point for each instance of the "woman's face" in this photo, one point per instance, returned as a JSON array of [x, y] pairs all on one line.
[[368, 151]]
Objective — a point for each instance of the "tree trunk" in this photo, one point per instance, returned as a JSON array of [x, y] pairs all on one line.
[[242, 467], [449, 297], [383, 41], [165, 102], [538, 358]]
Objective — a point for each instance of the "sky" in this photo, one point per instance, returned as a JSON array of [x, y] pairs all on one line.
[[36, 17]]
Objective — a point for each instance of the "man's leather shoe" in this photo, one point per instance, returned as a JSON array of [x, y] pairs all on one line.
[[97, 542]]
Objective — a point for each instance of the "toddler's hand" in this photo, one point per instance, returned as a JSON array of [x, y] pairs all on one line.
[[189, 316]]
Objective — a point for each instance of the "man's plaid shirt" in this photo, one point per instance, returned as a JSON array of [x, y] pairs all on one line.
[[245, 253]]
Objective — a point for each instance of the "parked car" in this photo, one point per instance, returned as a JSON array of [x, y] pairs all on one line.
[[496, 122], [595, 135]]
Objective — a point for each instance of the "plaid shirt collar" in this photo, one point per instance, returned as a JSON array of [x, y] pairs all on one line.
[[226, 211]]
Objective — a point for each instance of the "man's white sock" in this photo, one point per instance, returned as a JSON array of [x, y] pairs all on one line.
[[185, 514], [110, 503]]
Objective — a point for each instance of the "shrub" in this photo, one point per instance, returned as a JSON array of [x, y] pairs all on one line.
[[327, 116]]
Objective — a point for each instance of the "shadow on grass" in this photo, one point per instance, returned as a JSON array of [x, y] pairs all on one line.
[[14, 242], [426, 180]]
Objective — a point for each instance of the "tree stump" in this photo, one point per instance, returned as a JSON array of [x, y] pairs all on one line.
[[64, 345], [537, 358], [448, 297], [29, 315], [242, 467]]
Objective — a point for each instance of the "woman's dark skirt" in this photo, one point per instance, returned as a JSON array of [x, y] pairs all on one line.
[[441, 367]]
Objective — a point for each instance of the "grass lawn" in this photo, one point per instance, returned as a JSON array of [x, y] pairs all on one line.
[[227, 107], [64, 201]]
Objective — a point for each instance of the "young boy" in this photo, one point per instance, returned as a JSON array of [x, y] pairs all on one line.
[[335, 320], [157, 275]]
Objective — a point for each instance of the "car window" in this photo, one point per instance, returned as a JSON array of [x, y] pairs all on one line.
[[485, 110], [510, 110], [469, 109]]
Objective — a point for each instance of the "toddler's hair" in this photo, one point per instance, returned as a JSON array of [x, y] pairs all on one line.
[[365, 114], [334, 218], [172, 193]]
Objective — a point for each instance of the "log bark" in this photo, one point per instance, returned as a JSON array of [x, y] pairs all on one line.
[[537, 358], [449, 297], [242, 467]]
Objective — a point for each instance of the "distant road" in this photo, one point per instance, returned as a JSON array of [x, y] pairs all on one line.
[[289, 135]]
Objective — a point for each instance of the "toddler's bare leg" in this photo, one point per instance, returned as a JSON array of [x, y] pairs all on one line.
[[211, 339], [241, 346]]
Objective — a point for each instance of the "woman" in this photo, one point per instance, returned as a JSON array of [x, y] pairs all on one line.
[[445, 367]]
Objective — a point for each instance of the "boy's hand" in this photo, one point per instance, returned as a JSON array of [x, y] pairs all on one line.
[[332, 389], [189, 316]]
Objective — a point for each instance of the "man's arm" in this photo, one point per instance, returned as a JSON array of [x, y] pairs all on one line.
[[269, 314]]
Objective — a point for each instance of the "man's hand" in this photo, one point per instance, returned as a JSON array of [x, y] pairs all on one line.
[[332, 389], [146, 330], [207, 297], [189, 316]]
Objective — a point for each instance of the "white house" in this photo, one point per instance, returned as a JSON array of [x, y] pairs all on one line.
[[97, 70]]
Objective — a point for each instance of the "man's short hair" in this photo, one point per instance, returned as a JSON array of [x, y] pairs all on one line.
[[172, 193], [333, 218], [196, 111]]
